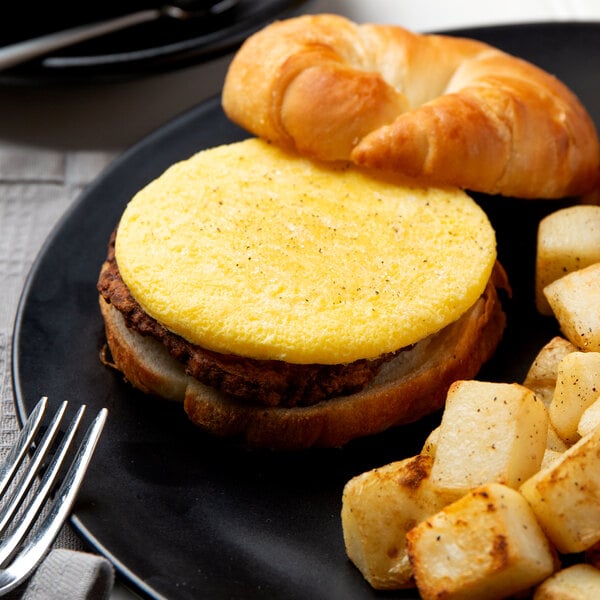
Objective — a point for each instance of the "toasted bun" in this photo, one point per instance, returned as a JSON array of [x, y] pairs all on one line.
[[414, 384], [248, 250], [446, 110]]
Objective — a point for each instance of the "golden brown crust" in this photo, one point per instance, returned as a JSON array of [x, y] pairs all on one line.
[[405, 390], [443, 110]]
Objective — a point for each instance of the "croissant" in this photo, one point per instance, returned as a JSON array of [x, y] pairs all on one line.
[[441, 110]]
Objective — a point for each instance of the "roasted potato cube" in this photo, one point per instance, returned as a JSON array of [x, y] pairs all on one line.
[[575, 301], [489, 432], [565, 497], [549, 457], [590, 419], [378, 508], [486, 545], [577, 387], [568, 240], [541, 377], [554, 441], [430, 445], [578, 582]]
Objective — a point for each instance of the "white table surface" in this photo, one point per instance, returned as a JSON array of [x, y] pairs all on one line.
[[54, 140]]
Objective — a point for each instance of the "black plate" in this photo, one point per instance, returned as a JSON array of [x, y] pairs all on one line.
[[163, 44], [184, 515]]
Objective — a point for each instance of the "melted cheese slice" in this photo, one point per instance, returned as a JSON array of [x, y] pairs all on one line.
[[248, 250]]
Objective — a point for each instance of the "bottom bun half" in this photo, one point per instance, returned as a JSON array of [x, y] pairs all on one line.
[[407, 388]]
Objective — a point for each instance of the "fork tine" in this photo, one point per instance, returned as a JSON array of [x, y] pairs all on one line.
[[36, 461], [31, 555], [12, 541], [24, 441]]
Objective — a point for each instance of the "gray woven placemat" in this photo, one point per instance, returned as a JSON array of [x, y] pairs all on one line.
[[36, 188]]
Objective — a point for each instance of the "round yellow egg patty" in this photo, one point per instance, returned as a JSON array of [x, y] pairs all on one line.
[[249, 250]]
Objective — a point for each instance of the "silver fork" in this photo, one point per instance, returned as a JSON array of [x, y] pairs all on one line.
[[20, 553]]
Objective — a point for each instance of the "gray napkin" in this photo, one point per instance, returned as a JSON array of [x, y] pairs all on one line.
[[71, 574]]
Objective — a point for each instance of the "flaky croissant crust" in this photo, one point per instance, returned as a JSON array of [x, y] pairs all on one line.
[[438, 109]]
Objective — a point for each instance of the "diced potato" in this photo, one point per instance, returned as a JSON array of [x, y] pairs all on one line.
[[577, 387], [575, 301], [430, 445], [590, 419], [541, 377], [578, 582], [486, 545], [566, 496], [549, 457], [489, 432], [378, 508], [553, 441], [568, 240]]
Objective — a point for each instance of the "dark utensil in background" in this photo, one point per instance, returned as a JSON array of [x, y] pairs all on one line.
[[23, 51]]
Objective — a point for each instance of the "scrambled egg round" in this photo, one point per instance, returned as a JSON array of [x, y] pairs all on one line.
[[246, 249]]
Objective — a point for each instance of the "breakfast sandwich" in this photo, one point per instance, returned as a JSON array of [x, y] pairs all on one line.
[[294, 303]]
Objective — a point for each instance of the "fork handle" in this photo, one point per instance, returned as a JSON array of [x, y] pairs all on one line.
[[21, 52]]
